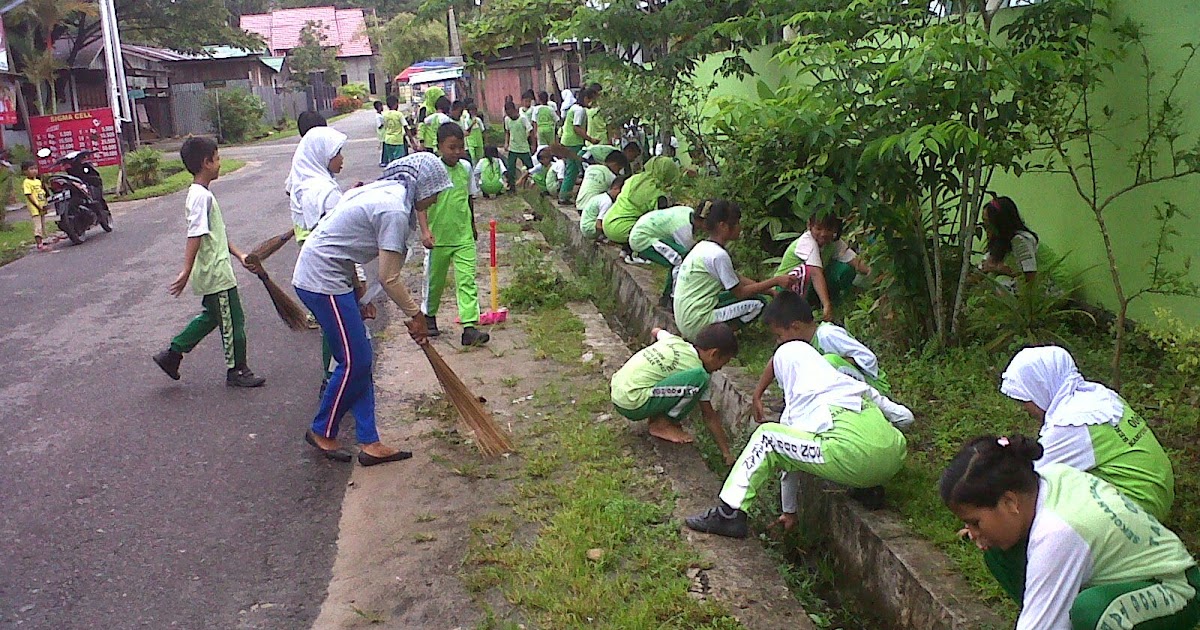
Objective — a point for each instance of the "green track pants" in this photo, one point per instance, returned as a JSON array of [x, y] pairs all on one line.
[[669, 254], [222, 310], [437, 263], [673, 397]]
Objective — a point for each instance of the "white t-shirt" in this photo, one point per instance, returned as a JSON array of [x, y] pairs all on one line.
[[831, 338], [478, 173], [603, 203], [717, 262], [809, 252], [1024, 250], [199, 200], [810, 386]]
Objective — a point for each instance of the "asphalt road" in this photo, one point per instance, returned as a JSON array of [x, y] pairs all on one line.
[[128, 500]]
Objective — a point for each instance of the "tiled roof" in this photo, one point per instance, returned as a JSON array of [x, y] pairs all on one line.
[[344, 28]]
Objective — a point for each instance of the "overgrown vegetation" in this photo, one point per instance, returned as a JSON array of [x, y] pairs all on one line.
[[144, 167], [236, 114]]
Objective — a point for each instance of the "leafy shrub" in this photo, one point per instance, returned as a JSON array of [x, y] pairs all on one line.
[[357, 91], [144, 167], [236, 114], [1005, 317], [1179, 341], [346, 104]]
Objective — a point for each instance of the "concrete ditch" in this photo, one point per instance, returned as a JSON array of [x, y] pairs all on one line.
[[898, 572]]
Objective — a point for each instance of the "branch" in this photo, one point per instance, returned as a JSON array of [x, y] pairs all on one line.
[[1147, 182]]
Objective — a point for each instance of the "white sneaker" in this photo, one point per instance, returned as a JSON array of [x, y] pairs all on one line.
[[638, 260]]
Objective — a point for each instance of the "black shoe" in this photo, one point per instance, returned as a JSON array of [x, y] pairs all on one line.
[[243, 377], [870, 498], [565, 202], [431, 326], [716, 521], [367, 459], [169, 361], [336, 454], [472, 337]]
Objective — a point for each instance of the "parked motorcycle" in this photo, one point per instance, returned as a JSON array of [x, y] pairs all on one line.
[[78, 195]]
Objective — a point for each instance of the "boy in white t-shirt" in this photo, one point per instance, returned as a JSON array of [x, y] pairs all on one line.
[[829, 428], [808, 259], [591, 214]]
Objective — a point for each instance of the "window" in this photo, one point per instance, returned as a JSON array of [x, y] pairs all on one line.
[[371, 80], [345, 80]]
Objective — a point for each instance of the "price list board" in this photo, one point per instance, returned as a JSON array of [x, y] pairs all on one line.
[[89, 130]]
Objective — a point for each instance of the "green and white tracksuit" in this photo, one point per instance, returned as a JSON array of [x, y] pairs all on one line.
[[829, 428], [1095, 560], [666, 379], [850, 357], [597, 179], [452, 224], [592, 211], [702, 291], [664, 237], [833, 259]]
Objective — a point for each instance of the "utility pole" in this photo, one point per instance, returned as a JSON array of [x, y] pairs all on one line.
[[118, 91]]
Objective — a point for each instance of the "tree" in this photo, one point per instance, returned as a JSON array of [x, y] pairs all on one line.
[[403, 41], [1106, 153], [32, 44], [312, 55]]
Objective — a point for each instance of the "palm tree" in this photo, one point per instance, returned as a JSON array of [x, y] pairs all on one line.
[[40, 66]]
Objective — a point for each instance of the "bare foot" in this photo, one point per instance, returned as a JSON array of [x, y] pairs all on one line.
[[664, 429], [377, 449]]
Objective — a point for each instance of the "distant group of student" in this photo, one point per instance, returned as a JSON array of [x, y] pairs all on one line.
[[1070, 522]]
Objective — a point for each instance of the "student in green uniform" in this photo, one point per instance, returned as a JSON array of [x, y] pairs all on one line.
[[708, 290], [517, 133], [850, 357], [822, 263], [206, 265], [527, 104], [434, 122], [664, 237], [644, 192], [829, 429], [428, 107], [395, 127], [597, 125], [545, 117], [489, 173], [574, 135], [539, 175], [591, 215], [663, 382], [474, 129], [598, 177], [1088, 426], [379, 122], [1093, 559], [452, 223]]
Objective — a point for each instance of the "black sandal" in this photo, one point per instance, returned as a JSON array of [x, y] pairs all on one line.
[[367, 459], [336, 454]]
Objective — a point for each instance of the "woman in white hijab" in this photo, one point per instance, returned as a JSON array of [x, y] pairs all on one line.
[[568, 99], [372, 221], [1089, 427], [312, 187]]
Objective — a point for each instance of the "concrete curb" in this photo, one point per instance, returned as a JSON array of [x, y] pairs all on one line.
[[898, 571]]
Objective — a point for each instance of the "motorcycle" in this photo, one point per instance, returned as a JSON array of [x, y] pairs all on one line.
[[78, 195]]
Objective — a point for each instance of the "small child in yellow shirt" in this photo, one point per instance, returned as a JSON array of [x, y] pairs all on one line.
[[35, 199]]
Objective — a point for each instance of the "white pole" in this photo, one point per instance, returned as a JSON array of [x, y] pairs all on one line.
[[117, 94]]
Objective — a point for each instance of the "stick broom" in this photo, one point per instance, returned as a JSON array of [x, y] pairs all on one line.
[[491, 438], [289, 311]]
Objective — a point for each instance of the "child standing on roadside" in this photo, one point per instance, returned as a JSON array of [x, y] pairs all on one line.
[[452, 224], [663, 382], [379, 123], [474, 129], [517, 134], [206, 264], [35, 200], [395, 128], [545, 117]]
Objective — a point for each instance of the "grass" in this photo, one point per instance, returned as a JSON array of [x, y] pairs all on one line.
[[175, 178], [290, 131], [16, 240]]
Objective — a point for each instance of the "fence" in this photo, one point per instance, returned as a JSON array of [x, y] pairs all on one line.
[[189, 103]]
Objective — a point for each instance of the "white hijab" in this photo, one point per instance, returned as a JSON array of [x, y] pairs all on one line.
[[313, 189], [1048, 377], [568, 99]]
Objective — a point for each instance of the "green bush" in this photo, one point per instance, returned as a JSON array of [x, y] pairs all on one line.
[[357, 91], [144, 167], [1179, 342], [236, 114]]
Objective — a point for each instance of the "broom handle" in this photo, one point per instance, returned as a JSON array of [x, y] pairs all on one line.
[[495, 282]]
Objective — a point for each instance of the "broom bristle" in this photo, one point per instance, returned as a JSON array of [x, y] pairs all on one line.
[[289, 311], [491, 438], [270, 246]]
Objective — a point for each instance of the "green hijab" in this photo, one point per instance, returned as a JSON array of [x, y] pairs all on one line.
[[431, 97], [643, 190]]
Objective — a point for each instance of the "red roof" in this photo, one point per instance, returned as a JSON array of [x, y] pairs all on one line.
[[344, 28]]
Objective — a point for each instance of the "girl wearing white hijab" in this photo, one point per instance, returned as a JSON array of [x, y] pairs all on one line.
[[372, 221], [1089, 427], [568, 99], [312, 187]]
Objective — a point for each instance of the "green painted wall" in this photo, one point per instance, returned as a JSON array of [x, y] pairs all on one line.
[[1049, 202]]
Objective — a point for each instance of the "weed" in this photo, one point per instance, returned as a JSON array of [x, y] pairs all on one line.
[[510, 381], [535, 283], [426, 517], [370, 616], [422, 537]]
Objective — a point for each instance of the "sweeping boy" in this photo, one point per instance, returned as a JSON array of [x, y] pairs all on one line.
[[206, 265], [662, 383], [829, 429], [452, 223]]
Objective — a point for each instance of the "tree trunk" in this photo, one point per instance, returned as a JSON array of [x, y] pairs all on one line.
[[1122, 301]]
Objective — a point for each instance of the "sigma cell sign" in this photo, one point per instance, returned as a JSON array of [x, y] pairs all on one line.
[[89, 130]]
